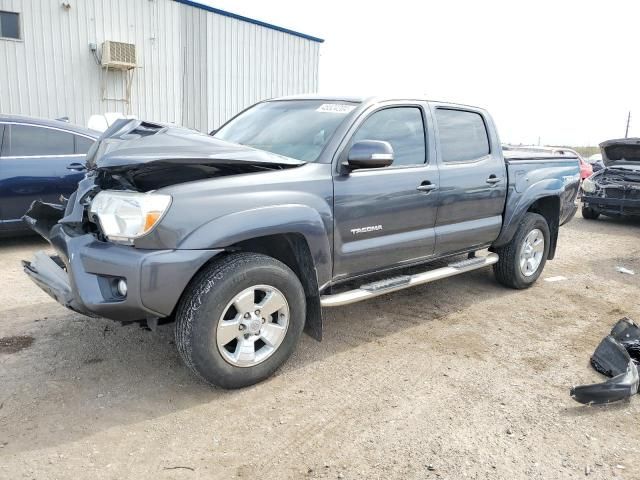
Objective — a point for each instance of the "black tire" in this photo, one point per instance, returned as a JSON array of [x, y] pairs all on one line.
[[589, 213], [202, 305], [507, 270]]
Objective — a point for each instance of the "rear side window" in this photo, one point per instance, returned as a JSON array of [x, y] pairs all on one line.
[[402, 127], [463, 135], [31, 141], [9, 25], [83, 144]]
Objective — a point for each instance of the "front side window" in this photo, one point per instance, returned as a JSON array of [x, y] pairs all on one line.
[[31, 141], [402, 127], [83, 144], [463, 135], [297, 129], [10, 25]]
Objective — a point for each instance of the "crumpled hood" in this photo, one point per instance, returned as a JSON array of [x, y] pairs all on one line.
[[133, 143], [621, 152]]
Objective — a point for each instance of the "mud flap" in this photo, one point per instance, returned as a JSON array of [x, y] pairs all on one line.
[[313, 324]]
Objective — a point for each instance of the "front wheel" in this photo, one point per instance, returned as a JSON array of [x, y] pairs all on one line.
[[240, 319], [522, 260]]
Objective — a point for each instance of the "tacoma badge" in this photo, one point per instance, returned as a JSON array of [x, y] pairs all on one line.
[[372, 228]]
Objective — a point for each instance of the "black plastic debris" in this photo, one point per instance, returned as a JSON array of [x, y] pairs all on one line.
[[627, 333], [612, 358]]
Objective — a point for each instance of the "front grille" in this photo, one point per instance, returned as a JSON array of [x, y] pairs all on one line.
[[621, 193], [614, 193]]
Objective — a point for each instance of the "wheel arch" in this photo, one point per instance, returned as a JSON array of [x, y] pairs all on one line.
[[546, 204], [229, 230], [293, 250], [549, 208]]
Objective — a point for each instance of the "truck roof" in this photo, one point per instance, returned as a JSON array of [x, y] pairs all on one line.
[[364, 99]]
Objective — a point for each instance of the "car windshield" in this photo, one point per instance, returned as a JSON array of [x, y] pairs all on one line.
[[297, 129]]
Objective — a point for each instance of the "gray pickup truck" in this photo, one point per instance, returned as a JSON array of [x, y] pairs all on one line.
[[296, 204]]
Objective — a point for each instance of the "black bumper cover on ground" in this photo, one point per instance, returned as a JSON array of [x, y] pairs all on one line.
[[616, 357]]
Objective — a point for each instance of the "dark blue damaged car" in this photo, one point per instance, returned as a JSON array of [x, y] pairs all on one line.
[[39, 160]]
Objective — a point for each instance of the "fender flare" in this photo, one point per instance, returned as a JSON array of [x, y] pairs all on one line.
[[514, 213], [271, 220]]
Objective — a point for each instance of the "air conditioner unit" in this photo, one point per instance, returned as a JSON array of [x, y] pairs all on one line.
[[118, 55]]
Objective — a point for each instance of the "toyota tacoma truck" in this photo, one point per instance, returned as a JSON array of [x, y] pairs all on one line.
[[296, 204]]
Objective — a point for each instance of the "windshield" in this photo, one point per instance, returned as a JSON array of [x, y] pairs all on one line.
[[294, 128]]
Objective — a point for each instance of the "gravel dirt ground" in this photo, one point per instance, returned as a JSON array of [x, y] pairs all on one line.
[[457, 379]]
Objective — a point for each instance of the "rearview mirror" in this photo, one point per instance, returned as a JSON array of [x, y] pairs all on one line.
[[369, 154]]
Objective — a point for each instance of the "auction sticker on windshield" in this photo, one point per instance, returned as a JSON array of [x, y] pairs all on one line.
[[335, 108]]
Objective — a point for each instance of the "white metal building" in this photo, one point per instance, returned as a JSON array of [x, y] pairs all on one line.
[[194, 65]]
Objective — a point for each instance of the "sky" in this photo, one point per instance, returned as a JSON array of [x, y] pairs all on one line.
[[561, 72]]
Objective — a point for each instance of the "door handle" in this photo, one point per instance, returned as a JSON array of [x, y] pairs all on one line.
[[427, 186], [493, 179], [76, 167]]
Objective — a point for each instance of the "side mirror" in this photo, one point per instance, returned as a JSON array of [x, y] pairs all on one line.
[[369, 154]]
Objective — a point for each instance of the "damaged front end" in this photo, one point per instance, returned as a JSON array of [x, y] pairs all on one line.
[[99, 268], [144, 156], [615, 190], [616, 357], [56, 223]]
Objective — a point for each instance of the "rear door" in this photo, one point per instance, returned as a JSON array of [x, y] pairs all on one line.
[[33, 166], [382, 217], [473, 179]]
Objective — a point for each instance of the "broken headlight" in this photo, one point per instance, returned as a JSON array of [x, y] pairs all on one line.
[[588, 185], [125, 216]]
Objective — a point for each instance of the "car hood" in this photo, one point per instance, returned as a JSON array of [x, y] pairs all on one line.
[[130, 144], [621, 152]]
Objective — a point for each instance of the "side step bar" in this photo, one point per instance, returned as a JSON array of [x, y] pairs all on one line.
[[394, 284]]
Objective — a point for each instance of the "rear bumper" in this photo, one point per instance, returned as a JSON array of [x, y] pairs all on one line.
[[612, 206], [84, 274]]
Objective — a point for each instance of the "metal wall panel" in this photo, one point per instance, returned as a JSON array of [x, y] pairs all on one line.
[[240, 64], [51, 72], [195, 67]]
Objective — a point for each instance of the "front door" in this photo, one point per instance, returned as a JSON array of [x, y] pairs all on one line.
[[385, 217], [33, 166]]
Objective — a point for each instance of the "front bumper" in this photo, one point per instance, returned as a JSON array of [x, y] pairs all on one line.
[[612, 206], [83, 275]]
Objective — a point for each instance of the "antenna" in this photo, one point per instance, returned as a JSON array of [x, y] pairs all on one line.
[[626, 133]]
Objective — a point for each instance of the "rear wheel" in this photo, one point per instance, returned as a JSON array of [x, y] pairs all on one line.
[[589, 213], [522, 260], [240, 319]]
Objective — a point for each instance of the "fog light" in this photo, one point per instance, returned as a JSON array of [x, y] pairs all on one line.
[[122, 287]]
